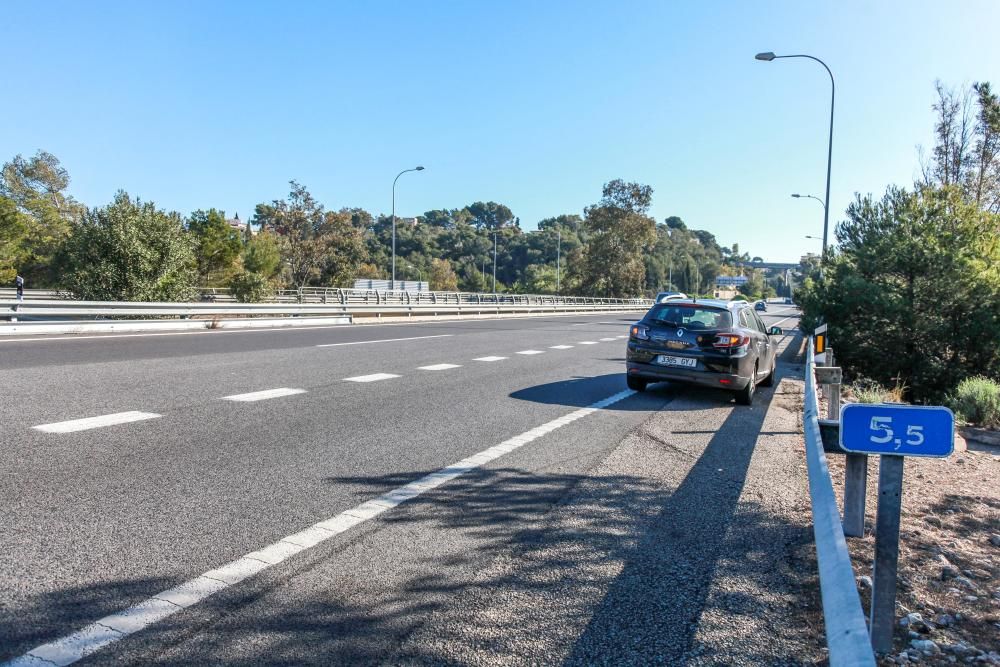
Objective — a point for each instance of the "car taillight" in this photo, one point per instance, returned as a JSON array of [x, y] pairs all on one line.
[[640, 332], [730, 340]]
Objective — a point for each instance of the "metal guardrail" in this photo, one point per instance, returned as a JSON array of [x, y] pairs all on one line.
[[368, 296], [847, 635], [34, 294], [331, 302], [338, 295]]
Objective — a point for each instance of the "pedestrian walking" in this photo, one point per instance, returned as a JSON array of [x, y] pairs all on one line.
[[19, 284]]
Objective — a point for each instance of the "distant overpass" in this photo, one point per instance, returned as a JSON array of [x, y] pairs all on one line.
[[769, 265]]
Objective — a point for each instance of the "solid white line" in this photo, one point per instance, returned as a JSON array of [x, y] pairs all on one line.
[[560, 347], [95, 422], [110, 629], [374, 377], [264, 395], [439, 367], [531, 352], [489, 358], [384, 340], [778, 323], [587, 342]]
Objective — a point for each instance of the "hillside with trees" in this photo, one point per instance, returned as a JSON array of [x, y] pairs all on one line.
[[130, 249]]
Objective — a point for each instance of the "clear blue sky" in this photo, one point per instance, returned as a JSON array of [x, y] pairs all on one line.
[[536, 105]]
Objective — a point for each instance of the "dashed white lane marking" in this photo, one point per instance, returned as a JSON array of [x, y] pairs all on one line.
[[587, 342], [264, 395], [605, 340], [374, 377], [384, 340], [96, 422], [110, 629], [439, 367], [560, 347], [489, 358], [621, 336], [530, 352]]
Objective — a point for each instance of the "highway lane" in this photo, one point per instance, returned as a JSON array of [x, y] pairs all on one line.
[[53, 350], [100, 519]]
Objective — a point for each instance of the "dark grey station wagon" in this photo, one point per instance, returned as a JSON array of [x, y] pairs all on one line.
[[722, 344]]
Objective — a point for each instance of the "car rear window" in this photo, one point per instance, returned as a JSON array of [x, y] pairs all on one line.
[[691, 317]]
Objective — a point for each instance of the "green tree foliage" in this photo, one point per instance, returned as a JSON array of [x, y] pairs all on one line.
[[13, 236], [261, 264], [317, 246], [297, 221], [37, 188], [914, 295], [753, 288], [966, 153], [491, 215], [129, 251], [344, 249], [619, 233], [682, 259], [217, 245], [262, 254], [442, 277], [250, 287]]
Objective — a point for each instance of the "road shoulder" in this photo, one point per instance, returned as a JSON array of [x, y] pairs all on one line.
[[689, 543]]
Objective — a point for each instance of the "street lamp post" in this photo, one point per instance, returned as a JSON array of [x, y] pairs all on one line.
[[768, 57], [558, 252], [420, 274], [394, 221], [821, 202], [494, 262]]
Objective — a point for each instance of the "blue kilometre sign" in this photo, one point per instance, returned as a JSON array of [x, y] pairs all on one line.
[[898, 430]]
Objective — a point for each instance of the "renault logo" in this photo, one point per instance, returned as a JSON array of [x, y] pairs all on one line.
[[680, 333]]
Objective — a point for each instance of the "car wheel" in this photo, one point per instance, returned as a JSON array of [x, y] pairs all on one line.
[[769, 380], [635, 384], [745, 395]]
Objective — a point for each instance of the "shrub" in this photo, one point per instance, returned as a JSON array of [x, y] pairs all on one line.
[[977, 401], [250, 287], [866, 390]]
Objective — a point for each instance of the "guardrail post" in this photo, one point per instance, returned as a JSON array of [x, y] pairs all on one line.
[[855, 470], [883, 610]]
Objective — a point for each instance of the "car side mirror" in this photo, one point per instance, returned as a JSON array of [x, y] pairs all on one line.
[[775, 331]]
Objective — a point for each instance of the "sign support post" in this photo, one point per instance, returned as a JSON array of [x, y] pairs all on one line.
[[883, 610], [855, 490], [892, 431]]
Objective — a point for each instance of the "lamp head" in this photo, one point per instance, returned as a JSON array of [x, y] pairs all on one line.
[[796, 196], [420, 168], [767, 56]]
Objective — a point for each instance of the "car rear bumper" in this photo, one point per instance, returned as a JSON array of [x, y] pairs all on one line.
[[657, 373], [714, 370]]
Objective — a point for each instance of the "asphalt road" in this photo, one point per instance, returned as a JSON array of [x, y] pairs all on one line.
[[99, 516]]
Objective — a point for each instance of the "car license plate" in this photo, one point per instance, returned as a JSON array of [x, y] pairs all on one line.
[[667, 360]]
